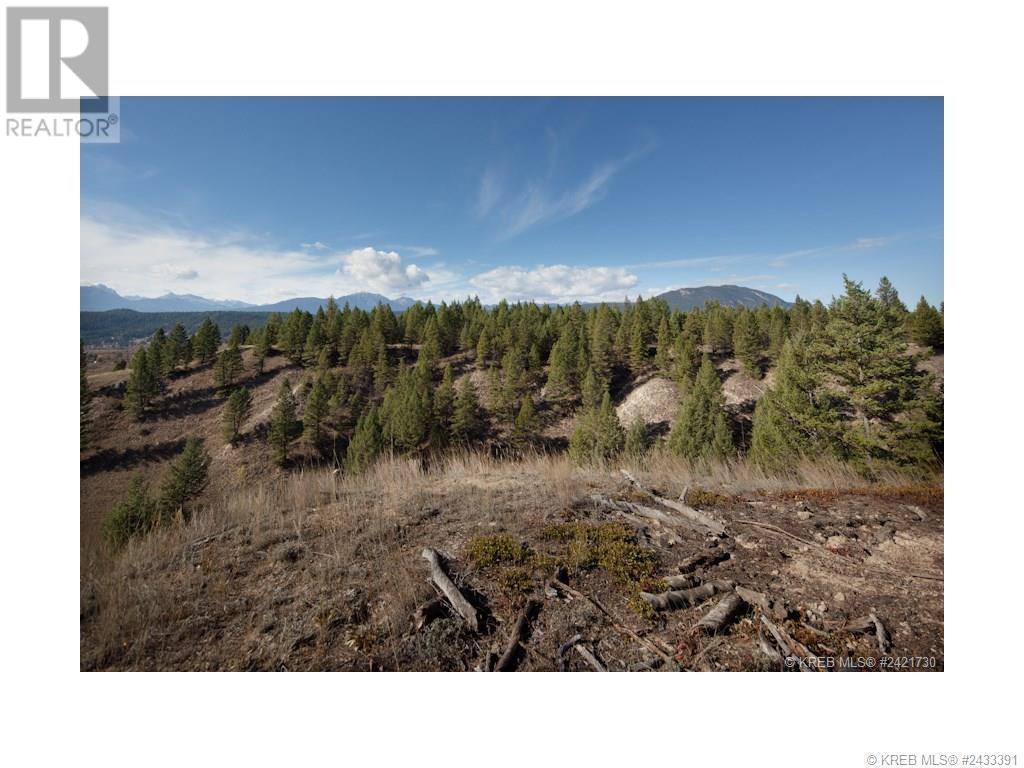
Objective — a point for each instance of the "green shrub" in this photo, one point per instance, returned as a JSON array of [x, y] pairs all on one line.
[[134, 515]]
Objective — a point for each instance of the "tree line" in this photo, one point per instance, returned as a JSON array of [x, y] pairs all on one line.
[[845, 383]]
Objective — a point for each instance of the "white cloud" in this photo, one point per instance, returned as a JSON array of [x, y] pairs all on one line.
[[138, 256], [382, 271], [317, 246], [555, 283]]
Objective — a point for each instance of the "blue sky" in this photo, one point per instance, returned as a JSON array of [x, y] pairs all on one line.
[[549, 199]]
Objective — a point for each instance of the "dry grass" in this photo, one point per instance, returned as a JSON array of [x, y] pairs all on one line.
[[316, 570]]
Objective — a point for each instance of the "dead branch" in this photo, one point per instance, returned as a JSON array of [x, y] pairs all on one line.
[[684, 598], [447, 586], [508, 657], [708, 558], [872, 624], [564, 648], [705, 521], [719, 616], [775, 608], [615, 623], [590, 658], [790, 648]]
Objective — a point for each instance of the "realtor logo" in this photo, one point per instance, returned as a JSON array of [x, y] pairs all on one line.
[[57, 60]]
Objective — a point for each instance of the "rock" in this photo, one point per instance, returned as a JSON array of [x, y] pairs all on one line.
[[839, 597], [803, 513]]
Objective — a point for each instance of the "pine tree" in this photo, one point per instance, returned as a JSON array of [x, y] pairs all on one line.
[[236, 411], [185, 480], [228, 367], [525, 425], [316, 411], [483, 349], [701, 431], [467, 426], [178, 351], [261, 349], [142, 384], [747, 343], [797, 417], [687, 361], [598, 435], [206, 342], [867, 356], [366, 444], [602, 342], [662, 356], [134, 515], [637, 347], [926, 326], [444, 409], [893, 307], [593, 390], [407, 411], [284, 427]]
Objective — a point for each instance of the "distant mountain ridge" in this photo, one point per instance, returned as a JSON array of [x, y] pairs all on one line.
[[100, 298], [685, 299]]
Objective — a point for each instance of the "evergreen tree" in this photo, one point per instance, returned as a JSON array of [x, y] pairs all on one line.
[[637, 347], [407, 411], [179, 351], [796, 417], [444, 409], [701, 431], [926, 327], [261, 349], [284, 427], [747, 343], [602, 342], [228, 367], [867, 356], [134, 515], [593, 390], [185, 480], [206, 342], [316, 411], [687, 361], [662, 356], [467, 426], [239, 334], [142, 384], [236, 411], [483, 349], [366, 444], [894, 309], [525, 425], [598, 435]]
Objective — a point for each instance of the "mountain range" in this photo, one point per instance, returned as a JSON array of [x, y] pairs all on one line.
[[100, 298]]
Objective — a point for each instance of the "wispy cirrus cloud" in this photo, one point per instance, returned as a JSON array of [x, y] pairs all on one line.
[[860, 244], [540, 201]]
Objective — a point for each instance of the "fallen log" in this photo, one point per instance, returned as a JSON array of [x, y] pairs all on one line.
[[649, 513], [675, 600], [719, 616], [683, 581], [590, 658], [447, 586], [710, 558], [791, 649], [872, 624], [695, 516], [615, 623], [514, 643], [768, 605]]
